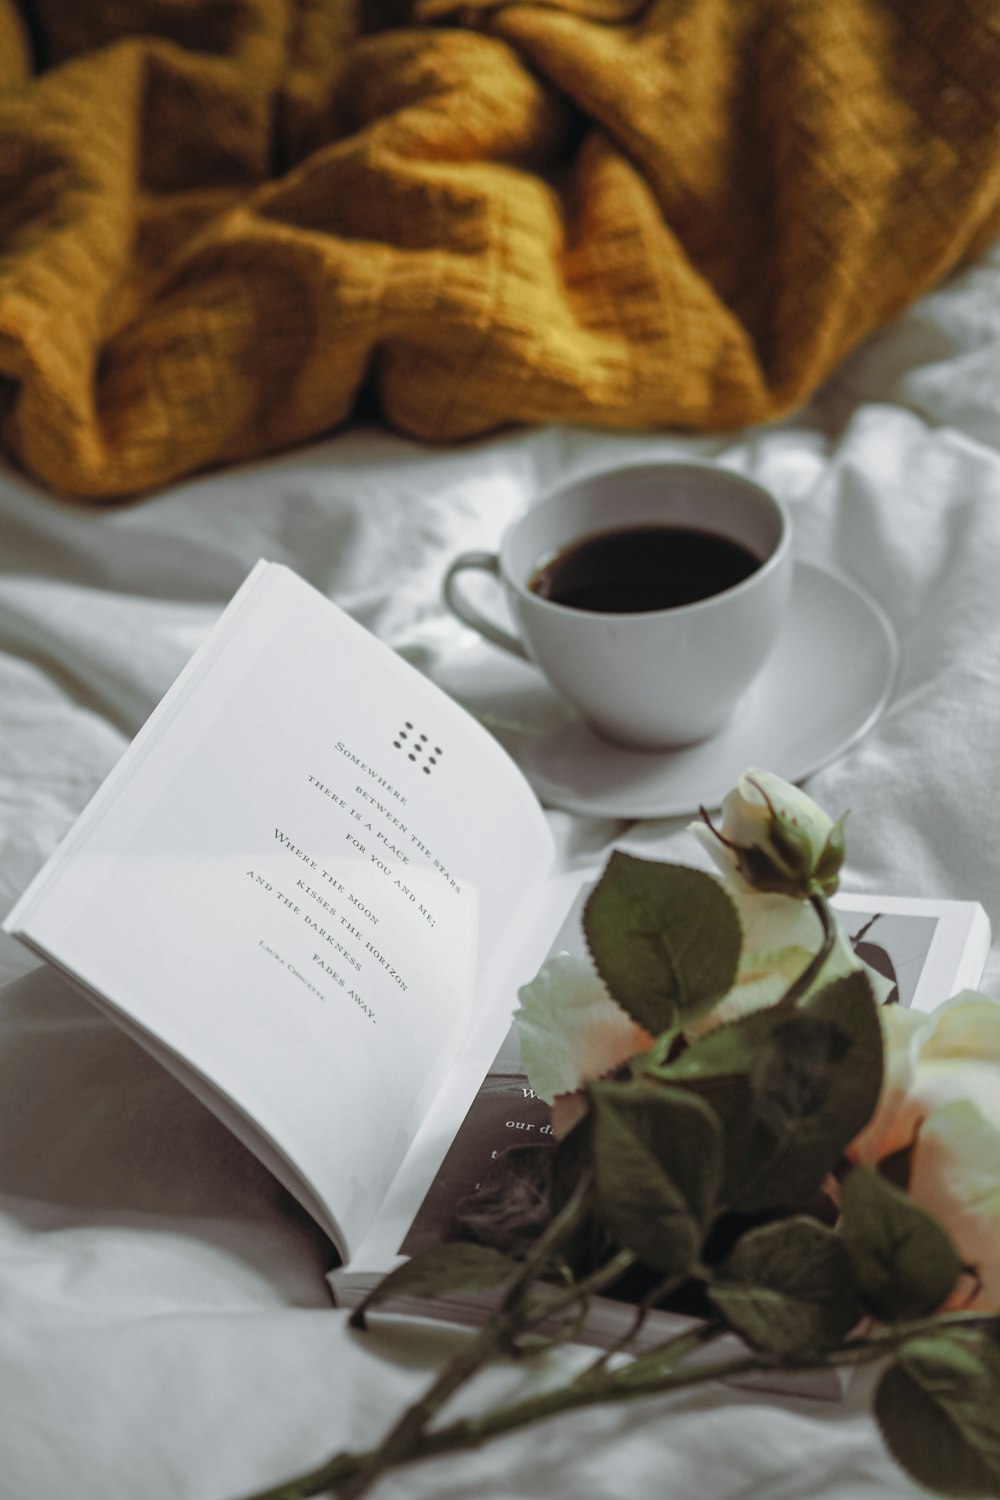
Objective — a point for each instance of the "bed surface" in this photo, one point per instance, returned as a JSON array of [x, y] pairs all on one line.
[[166, 1328]]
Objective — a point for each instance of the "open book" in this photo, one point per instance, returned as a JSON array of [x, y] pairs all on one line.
[[311, 888]]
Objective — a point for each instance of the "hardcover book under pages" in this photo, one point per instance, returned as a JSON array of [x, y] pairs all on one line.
[[313, 882]]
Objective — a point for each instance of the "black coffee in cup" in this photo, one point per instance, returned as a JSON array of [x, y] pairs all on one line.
[[635, 568]]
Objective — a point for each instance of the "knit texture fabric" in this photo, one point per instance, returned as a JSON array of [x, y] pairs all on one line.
[[223, 223]]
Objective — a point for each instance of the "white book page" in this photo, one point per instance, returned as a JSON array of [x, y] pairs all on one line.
[[546, 933], [284, 880]]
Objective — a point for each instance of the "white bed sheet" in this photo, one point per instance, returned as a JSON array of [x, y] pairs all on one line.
[[165, 1328]]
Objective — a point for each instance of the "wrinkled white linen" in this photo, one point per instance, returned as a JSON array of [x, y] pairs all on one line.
[[166, 1332]]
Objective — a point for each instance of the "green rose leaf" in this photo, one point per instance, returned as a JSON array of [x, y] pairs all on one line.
[[829, 1058], [729, 1051], [938, 1409], [788, 1288], [849, 1004], [664, 938], [438, 1270], [657, 1156], [808, 1081], [827, 871], [904, 1262], [813, 1089]]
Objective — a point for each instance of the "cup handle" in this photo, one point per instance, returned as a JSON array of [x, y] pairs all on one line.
[[487, 562]]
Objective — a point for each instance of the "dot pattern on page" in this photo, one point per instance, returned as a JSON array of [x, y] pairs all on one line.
[[417, 747]]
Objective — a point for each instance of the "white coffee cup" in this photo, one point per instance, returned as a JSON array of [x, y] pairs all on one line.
[[657, 678]]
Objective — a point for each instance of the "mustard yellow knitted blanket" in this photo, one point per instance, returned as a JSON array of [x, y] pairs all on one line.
[[225, 222]]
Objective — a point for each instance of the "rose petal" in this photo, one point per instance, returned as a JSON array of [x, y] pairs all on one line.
[[955, 1175], [939, 1083], [790, 803], [772, 922], [966, 1026], [724, 859], [567, 1110], [571, 1029], [760, 985], [897, 1115]]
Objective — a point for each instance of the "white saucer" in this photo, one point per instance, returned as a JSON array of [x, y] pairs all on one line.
[[825, 684]]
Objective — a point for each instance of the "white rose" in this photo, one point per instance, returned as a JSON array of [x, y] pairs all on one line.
[[780, 939], [941, 1100], [774, 838], [571, 1030]]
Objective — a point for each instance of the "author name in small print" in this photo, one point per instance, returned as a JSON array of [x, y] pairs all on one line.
[[327, 969]]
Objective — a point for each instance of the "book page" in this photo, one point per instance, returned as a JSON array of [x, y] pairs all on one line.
[[928, 950], [485, 1104], [292, 881]]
